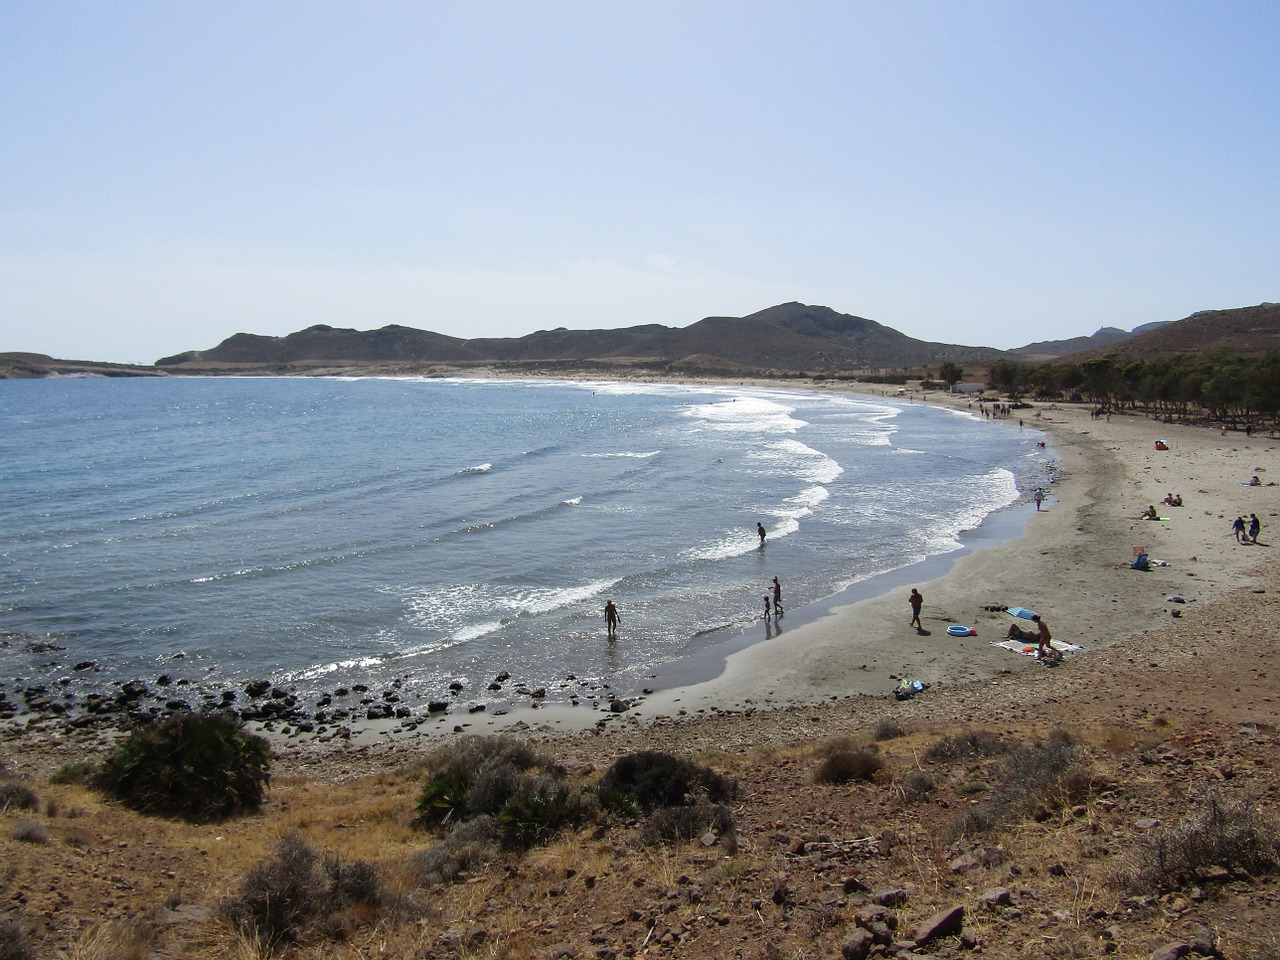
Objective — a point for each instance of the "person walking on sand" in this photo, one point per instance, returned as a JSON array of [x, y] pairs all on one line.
[[766, 606], [1039, 498], [1238, 529], [760, 530], [1255, 526], [611, 618], [917, 601], [777, 598]]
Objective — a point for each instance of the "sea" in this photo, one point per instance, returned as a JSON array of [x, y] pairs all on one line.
[[435, 535]]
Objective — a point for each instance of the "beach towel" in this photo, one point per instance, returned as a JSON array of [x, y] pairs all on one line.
[[1029, 649]]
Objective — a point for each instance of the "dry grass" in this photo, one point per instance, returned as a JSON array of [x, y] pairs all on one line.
[[602, 878]]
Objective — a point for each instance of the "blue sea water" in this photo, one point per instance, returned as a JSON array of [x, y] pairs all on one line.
[[324, 532]]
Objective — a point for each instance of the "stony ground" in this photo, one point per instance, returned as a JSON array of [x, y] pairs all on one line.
[[1186, 712]]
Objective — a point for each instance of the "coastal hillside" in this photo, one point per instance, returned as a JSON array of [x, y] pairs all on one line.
[[790, 336], [1251, 331]]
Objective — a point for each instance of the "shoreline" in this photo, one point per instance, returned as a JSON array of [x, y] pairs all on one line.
[[1070, 563]]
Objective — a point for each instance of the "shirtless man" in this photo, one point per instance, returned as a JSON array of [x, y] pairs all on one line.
[[760, 530], [1044, 649], [611, 618], [917, 601]]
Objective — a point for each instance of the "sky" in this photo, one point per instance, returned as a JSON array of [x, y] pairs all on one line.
[[965, 171]]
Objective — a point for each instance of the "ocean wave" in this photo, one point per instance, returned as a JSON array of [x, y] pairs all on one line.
[[478, 468], [625, 454], [799, 460], [745, 414], [572, 501]]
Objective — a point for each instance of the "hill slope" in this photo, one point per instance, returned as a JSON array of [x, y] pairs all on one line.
[[1251, 331], [790, 336]]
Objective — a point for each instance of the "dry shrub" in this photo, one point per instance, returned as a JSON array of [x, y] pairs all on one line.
[[967, 745], [1221, 834], [916, 786], [888, 729], [29, 831], [122, 940], [850, 766], [1025, 778], [670, 825], [16, 796], [294, 891], [13, 940], [469, 844]]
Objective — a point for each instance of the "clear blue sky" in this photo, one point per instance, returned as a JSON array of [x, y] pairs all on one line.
[[973, 172]]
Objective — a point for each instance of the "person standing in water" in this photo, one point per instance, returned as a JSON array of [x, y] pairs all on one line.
[[611, 618], [760, 530], [917, 601], [777, 598]]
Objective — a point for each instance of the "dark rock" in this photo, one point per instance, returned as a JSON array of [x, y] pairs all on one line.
[[996, 897], [857, 946], [1171, 951], [437, 706], [456, 686], [133, 690], [84, 665], [257, 688], [943, 924], [890, 896], [164, 680]]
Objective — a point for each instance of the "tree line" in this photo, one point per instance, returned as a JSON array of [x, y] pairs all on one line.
[[1220, 385]]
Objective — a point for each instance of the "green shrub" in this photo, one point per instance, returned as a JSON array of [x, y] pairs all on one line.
[[651, 779], [537, 810], [294, 892], [476, 775], [670, 825], [1221, 834], [445, 797], [198, 766], [80, 771], [849, 766]]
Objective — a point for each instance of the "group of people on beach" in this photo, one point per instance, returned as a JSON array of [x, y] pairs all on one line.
[[1249, 534], [772, 599]]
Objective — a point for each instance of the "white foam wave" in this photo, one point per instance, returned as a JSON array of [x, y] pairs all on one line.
[[800, 460], [470, 606], [572, 501], [745, 414], [478, 468], [624, 453]]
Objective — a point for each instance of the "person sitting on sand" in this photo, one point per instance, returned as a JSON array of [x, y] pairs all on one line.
[[1150, 513], [1254, 481], [1168, 500]]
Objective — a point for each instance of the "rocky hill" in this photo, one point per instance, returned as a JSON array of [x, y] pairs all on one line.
[[1251, 331], [790, 336]]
